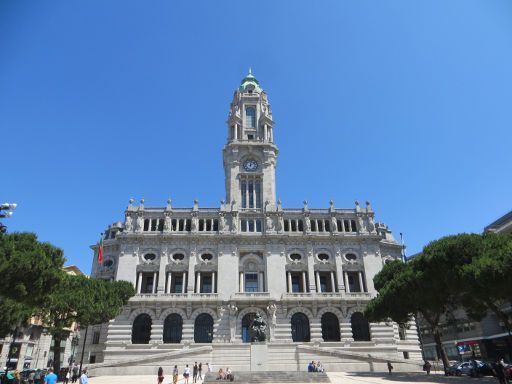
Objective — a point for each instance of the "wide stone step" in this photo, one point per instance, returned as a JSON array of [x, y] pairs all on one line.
[[270, 377]]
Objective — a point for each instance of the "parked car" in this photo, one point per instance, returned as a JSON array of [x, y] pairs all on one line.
[[455, 369], [508, 371]]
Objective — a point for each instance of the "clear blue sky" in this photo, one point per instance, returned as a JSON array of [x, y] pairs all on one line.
[[407, 104]]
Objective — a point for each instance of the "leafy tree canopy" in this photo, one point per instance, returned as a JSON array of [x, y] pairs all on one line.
[[30, 270]]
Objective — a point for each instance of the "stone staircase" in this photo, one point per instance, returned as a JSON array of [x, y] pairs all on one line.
[[270, 377]]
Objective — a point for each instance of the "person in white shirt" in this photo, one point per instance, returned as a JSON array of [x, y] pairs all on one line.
[[186, 374]]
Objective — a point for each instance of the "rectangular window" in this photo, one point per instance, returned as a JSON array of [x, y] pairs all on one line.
[[244, 225], [301, 226], [146, 225], [206, 282], [353, 282], [244, 193], [346, 224], [177, 283], [147, 283], [313, 225], [251, 225], [153, 225], [251, 194], [258, 194], [258, 225], [296, 283], [92, 359], [96, 337], [251, 282], [325, 283]]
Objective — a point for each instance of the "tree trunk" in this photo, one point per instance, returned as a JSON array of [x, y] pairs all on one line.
[[57, 338], [441, 351]]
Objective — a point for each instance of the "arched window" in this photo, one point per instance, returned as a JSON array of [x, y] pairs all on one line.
[[300, 327], [246, 324], [173, 327], [141, 329], [203, 328], [360, 327], [330, 327], [250, 117]]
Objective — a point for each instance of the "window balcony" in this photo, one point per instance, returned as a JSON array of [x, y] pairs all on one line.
[[253, 296]]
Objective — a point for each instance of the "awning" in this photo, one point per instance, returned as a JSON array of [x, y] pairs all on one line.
[[469, 342]]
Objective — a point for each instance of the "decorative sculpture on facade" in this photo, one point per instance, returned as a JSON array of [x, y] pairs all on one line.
[[272, 309], [128, 226], [232, 321], [167, 222], [258, 329], [139, 223]]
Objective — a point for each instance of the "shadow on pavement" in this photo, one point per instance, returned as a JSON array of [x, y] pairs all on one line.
[[419, 378]]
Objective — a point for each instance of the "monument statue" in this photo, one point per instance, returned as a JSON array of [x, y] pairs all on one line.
[[258, 328]]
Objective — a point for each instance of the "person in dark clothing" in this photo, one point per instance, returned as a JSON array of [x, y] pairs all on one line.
[[160, 376], [427, 366], [195, 371], [390, 367], [200, 371], [499, 371]]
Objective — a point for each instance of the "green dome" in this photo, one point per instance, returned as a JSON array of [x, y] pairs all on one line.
[[250, 79]]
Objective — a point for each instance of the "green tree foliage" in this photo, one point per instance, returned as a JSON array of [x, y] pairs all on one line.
[[12, 314], [488, 286], [85, 301], [30, 270], [428, 286]]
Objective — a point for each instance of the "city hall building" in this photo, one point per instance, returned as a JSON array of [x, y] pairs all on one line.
[[201, 274]]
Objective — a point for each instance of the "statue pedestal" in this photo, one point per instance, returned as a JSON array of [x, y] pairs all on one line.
[[259, 353]]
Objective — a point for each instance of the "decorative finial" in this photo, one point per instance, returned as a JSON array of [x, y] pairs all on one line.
[[250, 71], [305, 202], [142, 201], [357, 203], [131, 201], [169, 201], [196, 201], [331, 203]]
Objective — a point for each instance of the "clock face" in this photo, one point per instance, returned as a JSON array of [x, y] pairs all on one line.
[[250, 165]]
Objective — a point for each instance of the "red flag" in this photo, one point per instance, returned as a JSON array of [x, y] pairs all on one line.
[[100, 252]]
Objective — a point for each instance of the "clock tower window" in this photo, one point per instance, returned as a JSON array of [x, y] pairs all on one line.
[[250, 188], [250, 117]]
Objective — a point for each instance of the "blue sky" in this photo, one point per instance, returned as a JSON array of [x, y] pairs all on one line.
[[403, 103]]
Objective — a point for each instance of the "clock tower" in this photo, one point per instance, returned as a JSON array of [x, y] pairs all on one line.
[[250, 154]]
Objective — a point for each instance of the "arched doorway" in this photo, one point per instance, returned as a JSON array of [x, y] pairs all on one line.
[[203, 328], [360, 327], [330, 327], [300, 327], [141, 329], [246, 324], [173, 328]]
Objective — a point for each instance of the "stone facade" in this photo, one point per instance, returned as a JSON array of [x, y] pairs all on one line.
[[306, 271]]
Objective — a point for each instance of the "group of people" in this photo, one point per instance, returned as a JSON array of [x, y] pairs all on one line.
[[225, 374], [315, 367], [197, 373]]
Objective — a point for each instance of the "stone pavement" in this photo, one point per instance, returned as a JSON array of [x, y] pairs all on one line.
[[336, 378]]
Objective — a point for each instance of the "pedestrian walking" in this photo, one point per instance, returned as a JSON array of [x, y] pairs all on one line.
[[499, 371], [50, 378], [195, 370], [390, 368], [31, 376], [68, 375], [84, 379], [74, 373], [186, 374], [200, 371], [160, 376], [427, 366], [175, 374]]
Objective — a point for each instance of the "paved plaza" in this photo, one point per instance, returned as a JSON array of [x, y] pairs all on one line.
[[336, 378]]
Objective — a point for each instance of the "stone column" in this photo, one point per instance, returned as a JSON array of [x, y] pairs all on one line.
[[213, 282], [154, 282], [169, 277], [304, 282], [317, 278], [361, 281], [241, 282], [191, 272], [184, 282], [333, 282], [339, 271], [198, 282], [139, 283], [347, 286], [311, 272], [289, 280], [261, 284], [161, 274]]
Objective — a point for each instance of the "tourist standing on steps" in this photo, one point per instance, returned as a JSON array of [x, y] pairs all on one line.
[[186, 374], [427, 366], [200, 371], [160, 377], [194, 372]]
